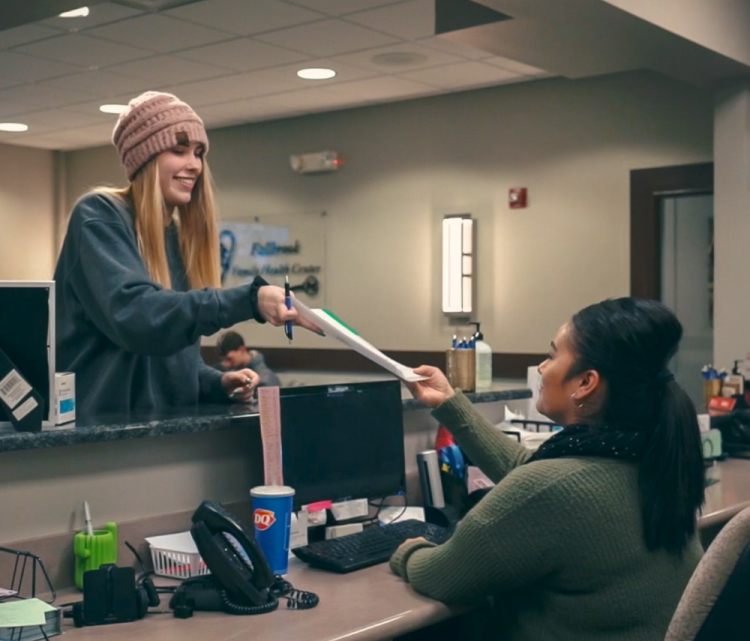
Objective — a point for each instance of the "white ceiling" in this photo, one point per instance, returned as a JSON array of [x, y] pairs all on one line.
[[234, 61]]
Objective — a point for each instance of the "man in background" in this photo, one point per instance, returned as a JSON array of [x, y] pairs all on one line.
[[235, 355]]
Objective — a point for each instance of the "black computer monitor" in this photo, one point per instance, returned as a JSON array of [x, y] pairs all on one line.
[[27, 325], [343, 441]]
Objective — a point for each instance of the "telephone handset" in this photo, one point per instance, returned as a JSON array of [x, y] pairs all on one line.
[[240, 575], [232, 555]]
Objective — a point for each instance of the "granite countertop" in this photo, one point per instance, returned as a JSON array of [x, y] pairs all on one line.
[[188, 420]]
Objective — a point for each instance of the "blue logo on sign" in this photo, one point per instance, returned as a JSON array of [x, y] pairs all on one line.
[[227, 243]]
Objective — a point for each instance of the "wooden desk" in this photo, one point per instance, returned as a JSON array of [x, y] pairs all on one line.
[[368, 605], [371, 604], [725, 498]]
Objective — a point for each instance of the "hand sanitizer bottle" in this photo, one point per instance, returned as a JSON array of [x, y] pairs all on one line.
[[483, 379]]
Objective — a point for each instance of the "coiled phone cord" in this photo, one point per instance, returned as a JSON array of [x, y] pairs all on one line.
[[295, 599]]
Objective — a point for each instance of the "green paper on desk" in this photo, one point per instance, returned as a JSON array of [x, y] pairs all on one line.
[[24, 612]]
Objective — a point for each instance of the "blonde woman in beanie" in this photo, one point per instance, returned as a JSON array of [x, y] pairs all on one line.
[[138, 278]]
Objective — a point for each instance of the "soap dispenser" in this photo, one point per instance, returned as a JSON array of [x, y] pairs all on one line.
[[483, 357]]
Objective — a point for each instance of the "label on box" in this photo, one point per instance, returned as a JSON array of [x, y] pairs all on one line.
[[13, 388], [22, 410]]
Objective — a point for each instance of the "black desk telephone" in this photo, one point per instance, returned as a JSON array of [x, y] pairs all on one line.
[[241, 582]]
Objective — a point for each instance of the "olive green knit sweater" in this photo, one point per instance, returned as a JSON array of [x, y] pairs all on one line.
[[557, 543]]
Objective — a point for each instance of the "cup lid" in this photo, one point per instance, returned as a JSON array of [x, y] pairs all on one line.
[[272, 490]]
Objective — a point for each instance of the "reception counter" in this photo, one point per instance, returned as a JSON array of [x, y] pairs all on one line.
[[190, 420], [143, 465]]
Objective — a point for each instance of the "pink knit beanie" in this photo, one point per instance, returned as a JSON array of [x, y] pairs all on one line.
[[152, 123]]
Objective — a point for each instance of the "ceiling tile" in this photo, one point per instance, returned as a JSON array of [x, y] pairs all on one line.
[[35, 142], [422, 57], [99, 83], [342, 7], [9, 82], [77, 138], [58, 119], [92, 106], [454, 48], [242, 54], [512, 65], [79, 49], [227, 89], [303, 100], [242, 17], [28, 69], [380, 89], [25, 34], [11, 110], [288, 73], [408, 20], [39, 96], [327, 38], [22, 138], [241, 111], [98, 14], [464, 75], [158, 33], [168, 70]]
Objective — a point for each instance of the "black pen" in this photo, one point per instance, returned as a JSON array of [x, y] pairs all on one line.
[[288, 301]]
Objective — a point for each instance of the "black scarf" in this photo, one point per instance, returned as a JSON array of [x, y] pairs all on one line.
[[589, 440]]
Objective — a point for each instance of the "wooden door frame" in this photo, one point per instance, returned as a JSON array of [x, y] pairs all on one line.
[[647, 188]]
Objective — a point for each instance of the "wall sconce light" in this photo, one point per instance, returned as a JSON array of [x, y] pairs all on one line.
[[458, 264]]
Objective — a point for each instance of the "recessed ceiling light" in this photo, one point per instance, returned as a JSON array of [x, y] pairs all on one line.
[[81, 12], [399, 59], [316, 73], [13, 126], [113, 109]]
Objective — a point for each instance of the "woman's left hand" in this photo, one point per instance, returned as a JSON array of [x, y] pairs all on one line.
[[272, 307], [419, 538], [240, 385]]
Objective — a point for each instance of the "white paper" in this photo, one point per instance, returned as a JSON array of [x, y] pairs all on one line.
[[335, 329], [181, 542], [397, 513]]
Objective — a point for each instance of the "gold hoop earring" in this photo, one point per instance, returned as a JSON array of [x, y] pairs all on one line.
[[573, 401]]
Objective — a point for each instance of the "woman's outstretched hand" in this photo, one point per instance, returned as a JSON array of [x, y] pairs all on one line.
[[435, 390], [272, 307]]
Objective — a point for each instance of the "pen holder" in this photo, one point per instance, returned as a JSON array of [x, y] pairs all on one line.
[[711, 388], [94, 550], [460, 365]]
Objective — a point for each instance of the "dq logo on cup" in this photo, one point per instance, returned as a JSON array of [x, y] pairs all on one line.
[[264, 519]]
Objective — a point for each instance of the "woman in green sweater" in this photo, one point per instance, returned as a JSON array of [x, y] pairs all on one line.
[[592, 537]]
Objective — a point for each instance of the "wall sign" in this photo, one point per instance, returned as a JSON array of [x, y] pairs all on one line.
[[274, 247]]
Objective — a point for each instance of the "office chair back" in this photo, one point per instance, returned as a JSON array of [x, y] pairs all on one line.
[[716, 603]]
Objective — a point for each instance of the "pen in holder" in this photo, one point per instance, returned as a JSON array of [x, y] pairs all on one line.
[[93, 550], [460, 365]]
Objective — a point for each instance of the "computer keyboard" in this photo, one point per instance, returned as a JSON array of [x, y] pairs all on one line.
[[370, 547]]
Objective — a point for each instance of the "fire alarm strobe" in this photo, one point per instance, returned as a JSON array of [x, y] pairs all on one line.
[[517, 198], [316, 162]]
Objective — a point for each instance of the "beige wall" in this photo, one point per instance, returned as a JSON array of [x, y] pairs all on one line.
[[572, 144], [27, 222]]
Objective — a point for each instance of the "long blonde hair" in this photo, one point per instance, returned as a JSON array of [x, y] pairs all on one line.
[[196, 221]]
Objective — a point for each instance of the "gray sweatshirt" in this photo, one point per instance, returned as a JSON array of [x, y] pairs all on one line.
[[132, 344]]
